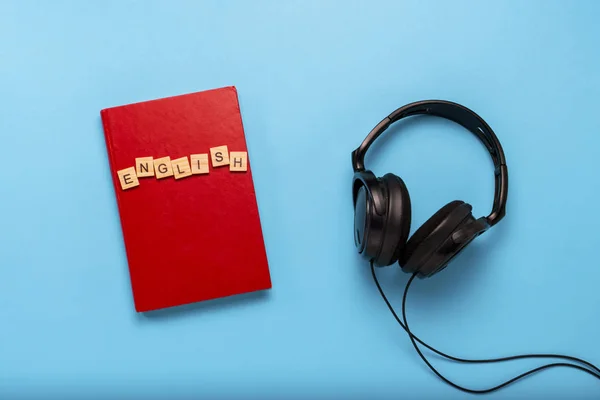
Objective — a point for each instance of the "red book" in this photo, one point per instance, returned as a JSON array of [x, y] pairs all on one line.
[[186, 199]]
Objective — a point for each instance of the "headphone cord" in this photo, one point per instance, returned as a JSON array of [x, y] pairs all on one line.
[[415, 339]]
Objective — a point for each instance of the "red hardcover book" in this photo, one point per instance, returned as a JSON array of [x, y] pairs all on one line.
[[186, 199]]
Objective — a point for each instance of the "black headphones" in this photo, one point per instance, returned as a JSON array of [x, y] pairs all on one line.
[[382, 206], [382, 217]]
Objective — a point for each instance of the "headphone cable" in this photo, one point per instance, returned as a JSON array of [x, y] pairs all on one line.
[[415, 339]]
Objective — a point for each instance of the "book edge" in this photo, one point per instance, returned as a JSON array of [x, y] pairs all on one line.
[[105, 117]]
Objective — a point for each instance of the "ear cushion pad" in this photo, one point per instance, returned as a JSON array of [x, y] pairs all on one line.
[[433, 233], [397, 221]]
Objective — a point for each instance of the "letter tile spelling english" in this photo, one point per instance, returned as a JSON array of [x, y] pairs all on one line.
[[220, 156], [199, 163], [181, 168], [144, 166], [162, 167], [128, 178], [238, 161]]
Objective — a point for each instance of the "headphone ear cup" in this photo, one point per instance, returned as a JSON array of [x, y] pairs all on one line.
[[424, 251], [369, 214], [397, 222]]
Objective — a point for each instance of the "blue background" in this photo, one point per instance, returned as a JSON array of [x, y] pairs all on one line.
[[313, 78]]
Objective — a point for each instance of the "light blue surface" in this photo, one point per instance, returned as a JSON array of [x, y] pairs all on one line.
[[313, 78]]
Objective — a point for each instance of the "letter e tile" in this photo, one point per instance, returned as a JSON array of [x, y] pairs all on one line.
[[128, 178]]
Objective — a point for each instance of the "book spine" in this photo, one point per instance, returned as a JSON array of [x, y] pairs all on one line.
[[104, 115], [106, 125]]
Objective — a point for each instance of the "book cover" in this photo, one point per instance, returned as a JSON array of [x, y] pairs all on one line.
[[187, 205]]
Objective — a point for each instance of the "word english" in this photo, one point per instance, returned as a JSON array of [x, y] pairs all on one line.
[[181, 167]]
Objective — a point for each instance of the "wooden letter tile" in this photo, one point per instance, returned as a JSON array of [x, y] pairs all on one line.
[[128, 178], [144, 166], [181, 168], [162, 167], [199, 163], [220, 156], [238, 161]]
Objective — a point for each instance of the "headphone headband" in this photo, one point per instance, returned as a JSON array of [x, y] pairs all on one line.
[[462, 116]]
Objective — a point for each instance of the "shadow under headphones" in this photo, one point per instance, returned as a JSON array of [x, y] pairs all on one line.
[[382, 219], [382, 205]]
